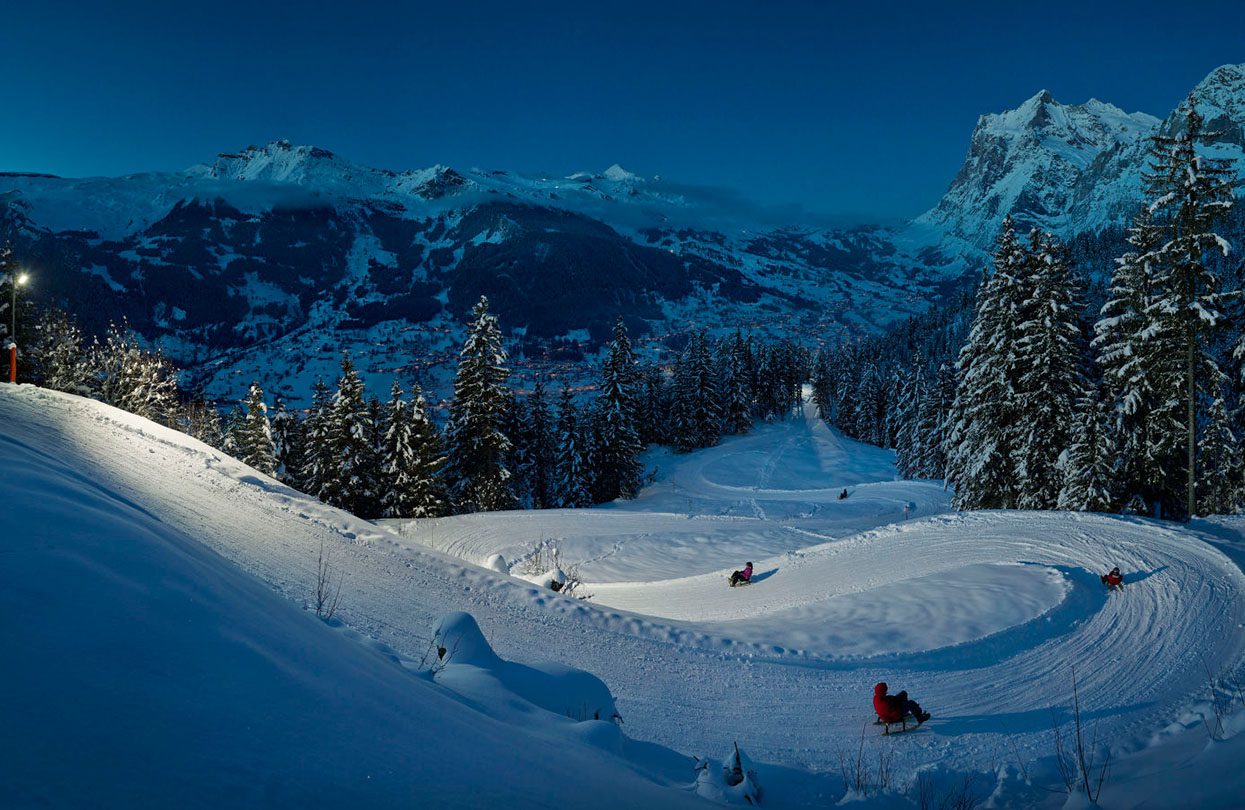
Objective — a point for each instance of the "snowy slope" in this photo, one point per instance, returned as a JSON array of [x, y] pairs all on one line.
[[983, 616], [145, 670]]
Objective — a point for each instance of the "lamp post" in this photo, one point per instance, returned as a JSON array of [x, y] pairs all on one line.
[[16, 280]]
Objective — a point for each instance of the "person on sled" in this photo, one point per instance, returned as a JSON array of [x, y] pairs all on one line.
[[1114, 579], [893, 708], [742, 577], [843, 494]]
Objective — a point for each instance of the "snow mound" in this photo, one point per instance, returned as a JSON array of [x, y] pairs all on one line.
[[469, 666]]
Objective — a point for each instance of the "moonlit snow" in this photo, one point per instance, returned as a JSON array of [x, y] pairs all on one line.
[[162, 649]]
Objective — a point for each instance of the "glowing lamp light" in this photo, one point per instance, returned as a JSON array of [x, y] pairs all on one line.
[[22, 278]]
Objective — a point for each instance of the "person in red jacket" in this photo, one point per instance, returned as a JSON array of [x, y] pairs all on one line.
[[1114, 579], [893, 708]]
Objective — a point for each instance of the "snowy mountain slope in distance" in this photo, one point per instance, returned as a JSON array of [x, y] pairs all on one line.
[[264, 255], [145, 670], [689, 683]]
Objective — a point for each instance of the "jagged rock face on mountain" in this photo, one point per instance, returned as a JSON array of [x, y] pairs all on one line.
[[1109, 191], [1027, 161]]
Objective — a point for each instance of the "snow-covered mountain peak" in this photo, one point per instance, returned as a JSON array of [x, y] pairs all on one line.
[[1026, 160], [279, 162], [620, 175], [1221, 99]]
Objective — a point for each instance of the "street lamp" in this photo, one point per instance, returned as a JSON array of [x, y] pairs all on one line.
[[16, 280], [19, 280]]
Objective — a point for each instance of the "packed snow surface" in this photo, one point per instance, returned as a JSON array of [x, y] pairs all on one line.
[[983, 617]]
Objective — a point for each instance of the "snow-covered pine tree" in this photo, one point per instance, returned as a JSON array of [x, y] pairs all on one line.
[[250, 438], [616, 468], [477, 447], [1088, 469], [696, 412], [130, 378], [200, 420], [655, 406], [933, 423], [351, 465], [870, 407], [287, 439], [1220, 484], [1139, 355], [317, 452], [412, 460], [1190, 193], [516, 426], [823, 386], [737, 387], [1050, 356], [911, 401], [542, 450], [570, 482], [981, 437]]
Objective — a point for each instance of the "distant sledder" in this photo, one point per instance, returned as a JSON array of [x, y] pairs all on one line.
[[892, 709], [843, 494], [743, 577], [1114, 580]]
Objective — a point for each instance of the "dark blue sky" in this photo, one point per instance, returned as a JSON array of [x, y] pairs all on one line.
[[855, 111]]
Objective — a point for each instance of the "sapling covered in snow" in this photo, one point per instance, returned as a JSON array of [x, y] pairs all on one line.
[[733, 782]]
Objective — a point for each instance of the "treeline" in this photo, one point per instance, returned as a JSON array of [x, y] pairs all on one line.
[[1025, 397], [497, 450]]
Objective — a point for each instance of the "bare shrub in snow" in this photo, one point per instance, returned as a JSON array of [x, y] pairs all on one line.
[[1079, 766], [545, 566], [859, 776], [961, 794], [327, 596]]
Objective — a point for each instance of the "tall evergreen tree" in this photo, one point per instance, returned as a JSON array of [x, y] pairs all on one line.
[[616, 468], [1051, 358], [570, 484], [250, 438], [412, 460], [1219, 485], [1087, 465], [981, 439], [317, 451], [200, 420], [542, 453], [1138, 352], [737, 387], [477, 447], [696, 411], [1190, 194], [287, 439], [351, 464]]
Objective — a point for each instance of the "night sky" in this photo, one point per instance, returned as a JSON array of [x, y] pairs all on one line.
[[853, 112]]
